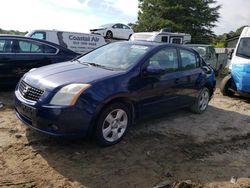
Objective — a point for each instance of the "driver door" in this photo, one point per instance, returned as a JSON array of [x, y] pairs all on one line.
[[159, 92]]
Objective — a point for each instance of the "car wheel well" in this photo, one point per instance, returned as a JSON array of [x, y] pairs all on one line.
[[228, 86], [210, 89], [129, 104]]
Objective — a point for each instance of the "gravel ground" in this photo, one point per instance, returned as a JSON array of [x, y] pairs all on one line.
[[178, 149]]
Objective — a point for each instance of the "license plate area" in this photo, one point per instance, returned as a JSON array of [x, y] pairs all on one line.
[[27, 110]]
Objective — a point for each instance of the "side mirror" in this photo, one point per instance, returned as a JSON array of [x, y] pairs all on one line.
[[153, 70], [230, 55], [207, 69]]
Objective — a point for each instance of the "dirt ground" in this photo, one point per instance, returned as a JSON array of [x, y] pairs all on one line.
[[179, 149]]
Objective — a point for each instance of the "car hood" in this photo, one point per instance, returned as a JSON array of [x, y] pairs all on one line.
[[53, 76]]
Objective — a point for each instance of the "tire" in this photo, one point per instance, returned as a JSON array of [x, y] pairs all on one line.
[[201, 102], [226, 83], [109, 35], [129, 36], [112, 124]]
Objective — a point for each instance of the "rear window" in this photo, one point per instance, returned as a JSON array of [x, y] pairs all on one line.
[[6, 46], [32, 47]]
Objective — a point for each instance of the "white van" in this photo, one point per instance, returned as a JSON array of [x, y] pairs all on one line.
[[238, 81], [162, 36], [77, 42]]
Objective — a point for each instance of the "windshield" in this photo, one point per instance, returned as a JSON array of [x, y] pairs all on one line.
[[117, 56], [201, 50], [244, 48]]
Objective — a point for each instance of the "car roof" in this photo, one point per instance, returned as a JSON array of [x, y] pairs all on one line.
[[34, 39], [197, 45], [158, 44], [111, 24]]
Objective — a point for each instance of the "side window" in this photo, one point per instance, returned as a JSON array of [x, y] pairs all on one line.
[[39, 35], [32, 47], [28, 47], [125, 27], [115, 26], [188, 60], [166, 58], [176, 41], [119, 26], [6, 46], [49, 49], [164, 39]]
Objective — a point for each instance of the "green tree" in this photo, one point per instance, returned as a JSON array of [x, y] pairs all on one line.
[[196, 17], [12, 32]]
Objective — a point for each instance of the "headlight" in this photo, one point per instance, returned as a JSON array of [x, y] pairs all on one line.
[[69, 94]]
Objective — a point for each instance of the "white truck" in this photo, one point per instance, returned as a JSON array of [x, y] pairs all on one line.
[[238, 79], [162, 36], [77, 42]]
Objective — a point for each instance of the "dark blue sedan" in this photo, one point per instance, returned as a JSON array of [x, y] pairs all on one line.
[[106, 90], [19, 54]]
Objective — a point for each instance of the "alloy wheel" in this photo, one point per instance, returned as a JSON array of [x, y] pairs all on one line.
[[204, 99], [115, 125]]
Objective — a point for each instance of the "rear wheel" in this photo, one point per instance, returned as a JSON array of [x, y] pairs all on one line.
[[201, 102], [227, 86], [112, 124], [109, 35]]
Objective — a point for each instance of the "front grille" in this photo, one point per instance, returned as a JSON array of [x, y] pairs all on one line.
[[29, 92]]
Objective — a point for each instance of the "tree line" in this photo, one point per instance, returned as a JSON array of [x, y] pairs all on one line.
[[12, 32], [196, 17]]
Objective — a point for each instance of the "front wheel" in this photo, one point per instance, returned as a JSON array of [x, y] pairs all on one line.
[[109, 35], [226, 86], [201, 102], [112, 124]]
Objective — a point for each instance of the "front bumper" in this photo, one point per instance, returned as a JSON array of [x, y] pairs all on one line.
[[53, 120]]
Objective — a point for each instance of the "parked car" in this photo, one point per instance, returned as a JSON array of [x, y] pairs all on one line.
[[19, 54], [117, 31], [106, 90], [207, 52], [238, 79], [77, 42]]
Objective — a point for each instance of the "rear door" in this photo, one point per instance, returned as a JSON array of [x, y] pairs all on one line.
[[191, 77], [125, 32], [7, 61], [118, 31], [30, 54]]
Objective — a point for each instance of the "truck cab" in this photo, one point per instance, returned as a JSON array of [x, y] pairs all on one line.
[[238, 79]]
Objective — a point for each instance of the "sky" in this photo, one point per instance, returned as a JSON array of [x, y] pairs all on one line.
[[83, 15]]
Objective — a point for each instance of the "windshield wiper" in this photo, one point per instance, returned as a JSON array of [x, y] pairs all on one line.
[[75, 59], [98, 65]]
